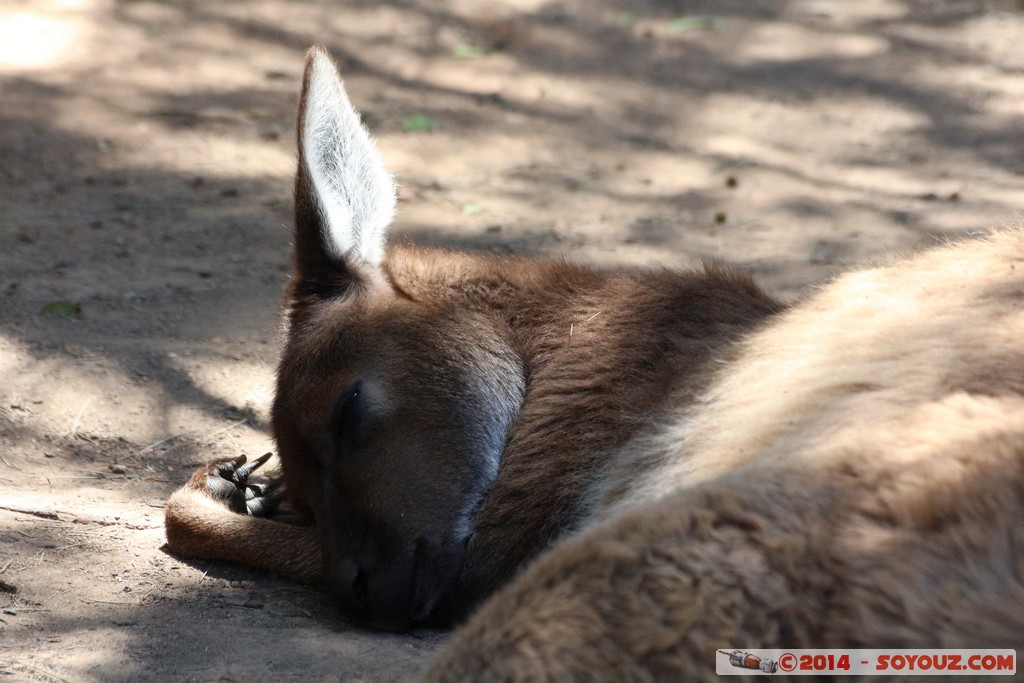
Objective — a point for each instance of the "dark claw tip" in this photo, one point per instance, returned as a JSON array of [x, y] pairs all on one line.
[[242, 473]]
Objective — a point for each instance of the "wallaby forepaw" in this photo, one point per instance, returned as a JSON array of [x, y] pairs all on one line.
[[227, 481]]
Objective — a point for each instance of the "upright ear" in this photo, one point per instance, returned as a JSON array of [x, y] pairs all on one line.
[[344, 197]]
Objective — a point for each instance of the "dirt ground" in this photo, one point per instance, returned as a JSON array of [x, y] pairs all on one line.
[[146, 153]]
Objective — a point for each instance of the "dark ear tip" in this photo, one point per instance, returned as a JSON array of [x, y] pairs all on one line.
[[316, 53], [317, 50]]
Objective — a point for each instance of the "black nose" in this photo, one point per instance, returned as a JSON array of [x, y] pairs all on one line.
[[378, 588], [350, 585]]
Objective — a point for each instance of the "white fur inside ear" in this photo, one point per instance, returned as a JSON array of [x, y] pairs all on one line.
[[354, 191]]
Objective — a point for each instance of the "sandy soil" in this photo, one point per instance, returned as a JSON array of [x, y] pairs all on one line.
[[145, 170]]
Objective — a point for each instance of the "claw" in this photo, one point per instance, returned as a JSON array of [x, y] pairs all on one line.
[[226, 470], [242, 472]]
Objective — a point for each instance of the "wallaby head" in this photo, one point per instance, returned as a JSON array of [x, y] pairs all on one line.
[[444, 417], [392, 408]]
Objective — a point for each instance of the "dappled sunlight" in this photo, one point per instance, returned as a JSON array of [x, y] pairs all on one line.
[[222, 156], [881, 179], [74, 497], [63, 399], [850, 135], [32, 40], [995, 92], [782, 42], [11, 350], [233, 380]]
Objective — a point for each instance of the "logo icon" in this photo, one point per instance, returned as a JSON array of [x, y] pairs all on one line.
[[745, 660]]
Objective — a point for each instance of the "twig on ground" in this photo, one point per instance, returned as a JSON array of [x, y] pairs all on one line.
[[45, 514], [75, 517], [108, 602]]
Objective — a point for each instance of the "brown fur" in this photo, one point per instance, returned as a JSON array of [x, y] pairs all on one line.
[[854, 478], [712, 469]]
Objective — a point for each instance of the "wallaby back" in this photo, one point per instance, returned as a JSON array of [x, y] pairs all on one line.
[[852, 478]]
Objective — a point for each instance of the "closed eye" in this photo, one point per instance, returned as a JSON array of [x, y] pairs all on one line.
[[348, 417]]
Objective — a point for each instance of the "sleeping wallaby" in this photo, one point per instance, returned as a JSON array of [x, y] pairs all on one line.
[[704, 467]]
